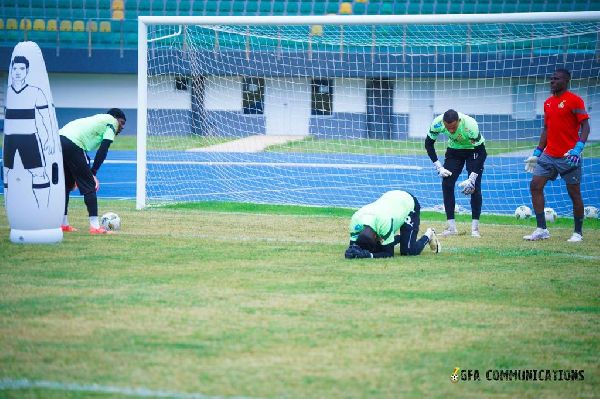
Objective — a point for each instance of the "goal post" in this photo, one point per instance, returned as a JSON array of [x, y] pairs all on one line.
[[334, 110]]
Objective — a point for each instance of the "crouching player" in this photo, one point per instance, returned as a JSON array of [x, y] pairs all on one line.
[[373, 228]]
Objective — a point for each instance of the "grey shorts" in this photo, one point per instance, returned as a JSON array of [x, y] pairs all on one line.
[[551, 167]]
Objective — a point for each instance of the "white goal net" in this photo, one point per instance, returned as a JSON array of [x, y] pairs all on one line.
[[334, 110]]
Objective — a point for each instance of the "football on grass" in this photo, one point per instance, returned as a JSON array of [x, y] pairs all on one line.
[[550, 215], [523, 212], [110, 221]]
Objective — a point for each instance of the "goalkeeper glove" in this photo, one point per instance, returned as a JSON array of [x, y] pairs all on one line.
[[469, 184], [97, 183], [574, 155], [441, 171], [354, 251], [531, 162]]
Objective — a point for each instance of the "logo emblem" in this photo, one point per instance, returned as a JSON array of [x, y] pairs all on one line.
[[454, 377], [562, 104]]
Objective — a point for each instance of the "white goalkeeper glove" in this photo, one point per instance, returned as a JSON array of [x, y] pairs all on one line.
[[441, 171], [469, 184], [531, 162]]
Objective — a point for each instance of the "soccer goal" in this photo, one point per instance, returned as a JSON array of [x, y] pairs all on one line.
[[334, 110]]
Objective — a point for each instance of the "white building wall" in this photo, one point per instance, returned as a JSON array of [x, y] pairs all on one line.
[[223, 93], [80, 90], [474, 97], [163, 94], [349, 95]]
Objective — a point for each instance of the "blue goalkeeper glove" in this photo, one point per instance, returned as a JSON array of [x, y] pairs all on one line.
[[356, 252], [574, 155], [469, 184], [531, 162]]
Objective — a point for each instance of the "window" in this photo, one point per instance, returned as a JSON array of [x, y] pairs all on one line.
[[322, 92], [181, 83], [254, 95]]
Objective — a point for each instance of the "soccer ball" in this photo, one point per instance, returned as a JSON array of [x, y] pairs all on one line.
[[523, 212], [550, 215], [110, 221], [590, 212]]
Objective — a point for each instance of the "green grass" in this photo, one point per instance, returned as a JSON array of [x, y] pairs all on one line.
[[258, 301], [403, 147]]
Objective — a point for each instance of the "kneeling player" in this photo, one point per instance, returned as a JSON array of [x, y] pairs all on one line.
[[373, 227]]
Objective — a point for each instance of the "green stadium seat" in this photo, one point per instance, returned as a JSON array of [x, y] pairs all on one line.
[[386, 9], [441, 8], [373, 8], [523, 7], [23, 4], [594, 5], [144, 6], [319, 8], [509, 7], [279, 7], [427, 8], [105, 5], [332, 8], [197, 7], [224, 7], [64, 4], [251, 8], [64, 13], [538, 6], [171, 7], [468, 8], [496, 7], [413, 8], [105, 14], [37, 13], [265, 7], [158, 7], [131, 14], [130, 26], [305, 8], [580, 6], [77, 14], [211, 7], [238, 7], [359, 8], [184, 7]]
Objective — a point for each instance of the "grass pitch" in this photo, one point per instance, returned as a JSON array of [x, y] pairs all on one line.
[[257, 301]]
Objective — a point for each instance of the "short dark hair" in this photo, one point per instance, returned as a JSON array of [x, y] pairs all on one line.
[[117, 113], [365, 239], [450, 116], [19, 59], [564, 72]]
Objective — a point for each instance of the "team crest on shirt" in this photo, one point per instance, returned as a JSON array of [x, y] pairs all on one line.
[[466, 129], [358, 227], [437, 125], [562, 104]]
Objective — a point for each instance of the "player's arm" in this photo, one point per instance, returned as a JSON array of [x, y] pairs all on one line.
[[387, 251], [574, 154], [480, 159], [531, 162], [430, 148], [42, 105], [101, 155]]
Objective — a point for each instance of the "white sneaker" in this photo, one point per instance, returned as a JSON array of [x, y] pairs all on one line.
[[449, 232], [576, 237], [434, 243], [538, 234], [475, 233]]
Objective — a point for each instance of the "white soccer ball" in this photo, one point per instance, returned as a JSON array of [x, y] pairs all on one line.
[[110, 221], [590, 212], [523, 212], [550, 215]]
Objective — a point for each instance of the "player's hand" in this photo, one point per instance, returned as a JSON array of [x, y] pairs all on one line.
[[574, 155], [97, 183], [356, 252], [469, 184], [531, 162], [441, 171]]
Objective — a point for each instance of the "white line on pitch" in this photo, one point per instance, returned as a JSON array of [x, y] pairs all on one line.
[[277, 164], [9, 383]]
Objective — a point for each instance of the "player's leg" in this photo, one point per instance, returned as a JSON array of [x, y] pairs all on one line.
[[78, 164], [572, 177], [545, 170], [454, 161], [409, 245], [476, 197]]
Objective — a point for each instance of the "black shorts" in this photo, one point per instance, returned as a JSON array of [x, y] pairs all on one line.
[[455, 160], [77, 167], [29, 150]]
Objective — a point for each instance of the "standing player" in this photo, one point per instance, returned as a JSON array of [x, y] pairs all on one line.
[[77, 138], [373, 226], [465, 146], [22, 132], [559, 152]]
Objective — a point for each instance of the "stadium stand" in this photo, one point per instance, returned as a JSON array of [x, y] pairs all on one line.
[[21, 16]]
